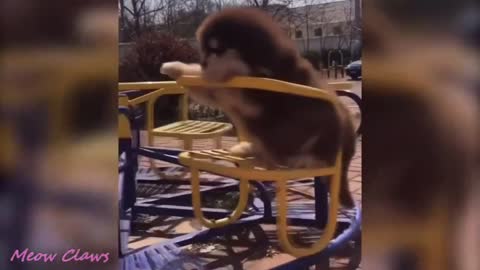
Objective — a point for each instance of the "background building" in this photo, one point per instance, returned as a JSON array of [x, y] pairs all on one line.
[[315, 25]]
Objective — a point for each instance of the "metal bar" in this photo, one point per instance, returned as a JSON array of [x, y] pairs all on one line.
[[186, 196], [209, 233], [265, 198], [163, 150], [158, 155], [179, 182], [336, 244], [181, 211], [321, 201]]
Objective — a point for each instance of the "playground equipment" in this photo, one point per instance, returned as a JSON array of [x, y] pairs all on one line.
[[184, 129], [247, 170], [337, 229]]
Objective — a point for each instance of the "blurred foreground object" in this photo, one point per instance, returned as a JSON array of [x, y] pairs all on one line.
[[58, 122], [58, 133], [422, 148]]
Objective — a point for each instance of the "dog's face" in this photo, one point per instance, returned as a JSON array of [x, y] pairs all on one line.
[[241, 42]]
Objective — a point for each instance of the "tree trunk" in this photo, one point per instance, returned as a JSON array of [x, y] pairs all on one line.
[[307, 30], [136, 17]]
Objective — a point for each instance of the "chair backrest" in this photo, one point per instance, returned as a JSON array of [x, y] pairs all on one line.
[[255, 83], [280, 176], [160, 89]]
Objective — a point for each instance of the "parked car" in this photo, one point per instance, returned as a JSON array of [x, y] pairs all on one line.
[[354, 70]]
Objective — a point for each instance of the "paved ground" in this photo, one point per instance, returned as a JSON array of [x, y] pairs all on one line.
[[162, 231]]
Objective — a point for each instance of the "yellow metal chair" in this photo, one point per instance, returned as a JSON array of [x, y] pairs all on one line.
[[184, 129], [246, 169]]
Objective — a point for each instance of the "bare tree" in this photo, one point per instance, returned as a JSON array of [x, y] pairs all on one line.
[[137, 16], [312, 13], [258, 3], [349, 28], [279, 9], [309, 11], [352, 28]]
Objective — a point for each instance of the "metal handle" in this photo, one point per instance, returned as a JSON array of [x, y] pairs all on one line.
[[328, 232], [244, 188]]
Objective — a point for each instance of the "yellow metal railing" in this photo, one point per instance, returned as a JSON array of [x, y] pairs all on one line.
[[184, 129], [161, 89], [204, 161]]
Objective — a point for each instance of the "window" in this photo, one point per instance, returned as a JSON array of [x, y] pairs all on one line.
[[318, 32], [298, 34]]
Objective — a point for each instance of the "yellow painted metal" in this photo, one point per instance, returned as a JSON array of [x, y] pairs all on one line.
[[197, 202], [331, 226], [263, 84], [123, 101], [42, 62], [124, 131], [185, 130], [54, 75], [340, 85], [153, 96], [125, 86], [254, 171], [160, 89], [192, 129], [247, 169]]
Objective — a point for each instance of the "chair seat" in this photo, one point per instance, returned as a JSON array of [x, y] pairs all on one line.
[[193, 129], [247, 168]]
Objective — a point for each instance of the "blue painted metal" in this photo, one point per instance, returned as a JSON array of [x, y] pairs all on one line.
[[350, 230], [185, 197], [180, 211], [158, 154], [206, 235], [265, 198], [166, 151], [336, 244], [181, 182], [321, 201]]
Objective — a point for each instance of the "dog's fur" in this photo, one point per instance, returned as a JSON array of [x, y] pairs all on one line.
[[282, 129]]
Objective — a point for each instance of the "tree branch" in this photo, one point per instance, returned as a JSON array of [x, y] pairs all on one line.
[[129, 10], [152, 11]]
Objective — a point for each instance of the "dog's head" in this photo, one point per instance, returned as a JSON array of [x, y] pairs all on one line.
[[243, 42]]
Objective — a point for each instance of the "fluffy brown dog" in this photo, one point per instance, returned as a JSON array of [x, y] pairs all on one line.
[[282, 129]]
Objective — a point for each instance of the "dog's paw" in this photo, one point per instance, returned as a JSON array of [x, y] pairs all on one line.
[[173, 69], [242, 149]]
